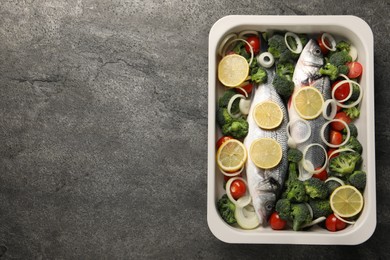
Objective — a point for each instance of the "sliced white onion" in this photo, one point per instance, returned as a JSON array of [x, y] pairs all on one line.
[[340, 151], [339, 84], [225, 40], [244, 200], [243, 33], [230, 103], [335, 179], [240, 87], [331, 39], [304, 139], [310, 209], [314, 222], [232, 174], [352, 104], [297, 40], [322, 133], [303, 174], [333, 111], [235, 40], [246, 217], [344, 220], [245, 105], [305, 163], [353, 53], [264, 62]]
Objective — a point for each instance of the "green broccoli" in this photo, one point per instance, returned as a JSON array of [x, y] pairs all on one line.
[[321, 208], [223, 117], [283, 86], [300, 215], [315, 188], [224, 101], [355, 93], [343, 46], [352, 130], [331, 70], [292, 176], [296, 191], [343, 69], [226, 209], [339, 58], [332, 185], [283, 207], [294, 155], [352, 112], [354, 144], [277, 47], [238, 128], [259, 75], [358, 179], [240, 50], [285, 70], [345, 163]]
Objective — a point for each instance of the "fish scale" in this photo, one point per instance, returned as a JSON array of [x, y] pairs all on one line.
[[265, 185]]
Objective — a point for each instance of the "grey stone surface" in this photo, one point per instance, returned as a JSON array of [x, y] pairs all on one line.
[[103, 129]]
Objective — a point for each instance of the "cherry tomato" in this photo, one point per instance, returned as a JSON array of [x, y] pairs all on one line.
[[276, 222], [339, 108], [334, 224], [254, 41], [222, 140], [330, 151], [237, 189], [336, 137], [248, 88], [321, 175], [342, 91], [322, 46], [355, 69], [340, 126]]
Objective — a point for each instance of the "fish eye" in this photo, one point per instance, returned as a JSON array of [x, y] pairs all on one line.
[[317, 51], [269, 206]]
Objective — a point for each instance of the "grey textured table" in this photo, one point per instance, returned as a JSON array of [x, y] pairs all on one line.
[[103, 134]]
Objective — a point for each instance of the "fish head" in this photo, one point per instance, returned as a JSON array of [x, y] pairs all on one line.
[[312, 55], [264, 204]]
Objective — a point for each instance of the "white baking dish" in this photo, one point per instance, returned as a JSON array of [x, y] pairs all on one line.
[[360, 35]]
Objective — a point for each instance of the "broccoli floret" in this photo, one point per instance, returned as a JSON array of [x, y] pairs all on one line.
[[332, 185], [283, 86], [345, 163], [294, 155], [240, 50], [276, 45], [358, 179], [354, 144], [259, 75], [315, 188], [300, 215], [238, 128], [224, 101], [352, 112], [321, 208], [340, 58], [223, 117], [296, 191], [343, 69], [355, 93], [285, 70], [288, 56], [352, 130], [283, 207], [226, 209], [331, 70], [292, 176], [343, 46]]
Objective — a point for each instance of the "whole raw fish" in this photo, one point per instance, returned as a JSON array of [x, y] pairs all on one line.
[[265, 185], [306, 73]]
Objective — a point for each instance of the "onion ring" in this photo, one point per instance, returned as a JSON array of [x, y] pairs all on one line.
[[316, 221], [239, 39], [343, 220], [225, 40], [244, 200], [352, 104], [336, 180], [297, 40], [333, 112], [340, 151], [243, 33], [230, 104], [232, 174], [331, 39], [263, 62], [293, 141], [305, 162], [322, 133]]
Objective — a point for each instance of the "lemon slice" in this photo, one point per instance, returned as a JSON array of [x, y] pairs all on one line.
[[268, 115], [346, 201], [231, 156], [308, 102], [265, 153], [233, 70]]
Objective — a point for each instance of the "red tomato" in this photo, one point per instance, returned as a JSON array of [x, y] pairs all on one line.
[[276, 222], [334, 224], [331, 150], [340, 126], [322, 46], [222, 140], [321, 175], [355, 69], [339, 108], [237, 189], [342, 91], [248, 88], [254, 41], [336, 137]]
